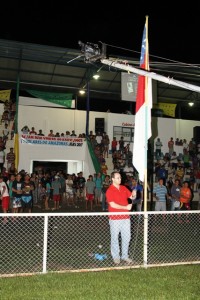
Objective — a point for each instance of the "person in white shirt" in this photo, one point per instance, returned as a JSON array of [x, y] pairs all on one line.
[[158, 146]]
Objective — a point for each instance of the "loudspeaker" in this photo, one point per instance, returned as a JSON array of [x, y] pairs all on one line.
[[99, 125], [196, 133]]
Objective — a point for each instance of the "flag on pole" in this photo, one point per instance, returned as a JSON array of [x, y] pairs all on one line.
[[143, 111]]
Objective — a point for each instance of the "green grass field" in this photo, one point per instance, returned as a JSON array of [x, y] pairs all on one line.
[[177, 282]]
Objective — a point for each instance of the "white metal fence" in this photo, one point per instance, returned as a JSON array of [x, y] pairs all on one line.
[[58, 242]]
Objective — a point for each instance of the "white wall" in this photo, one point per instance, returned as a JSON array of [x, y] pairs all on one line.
[[57, 119], [62, 120]]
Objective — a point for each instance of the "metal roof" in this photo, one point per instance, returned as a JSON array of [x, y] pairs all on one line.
[[56, 69]]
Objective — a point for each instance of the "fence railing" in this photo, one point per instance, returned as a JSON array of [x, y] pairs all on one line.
[[59, 242]]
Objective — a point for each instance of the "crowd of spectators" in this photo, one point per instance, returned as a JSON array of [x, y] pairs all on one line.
[[182, 168], [58, 190]]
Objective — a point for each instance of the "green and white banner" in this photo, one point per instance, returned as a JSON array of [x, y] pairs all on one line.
[[49, 99]]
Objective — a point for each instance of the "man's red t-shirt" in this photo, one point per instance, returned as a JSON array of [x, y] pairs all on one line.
[[119, 196]]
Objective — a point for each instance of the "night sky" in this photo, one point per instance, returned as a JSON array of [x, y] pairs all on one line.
[[172, 28], [173, 31]]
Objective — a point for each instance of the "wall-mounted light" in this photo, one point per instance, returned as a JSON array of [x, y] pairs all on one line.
[[96, 76], [191, 103], [81, 92]]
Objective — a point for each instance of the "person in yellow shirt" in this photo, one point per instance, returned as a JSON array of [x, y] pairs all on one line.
[[180, 173]]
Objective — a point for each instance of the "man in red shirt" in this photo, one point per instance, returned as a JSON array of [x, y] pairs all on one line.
[[117, 198], [114, 145]]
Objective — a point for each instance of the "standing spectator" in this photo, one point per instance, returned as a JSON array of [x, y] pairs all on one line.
[[5, 175], [74, 188], [80, 193], [175, 195], [158, 146], [128, 155], [35, 180], [186, 159], [105, 185], [12, 132], [2, 144], [197, 179], [2, 159], [171, 146], [62, 180], [10, 157], [185, 145], [69, 190], [56, 186], [6, 132], [185, 196], [17, 193], [139, 194], [10, 184], [104, 168], [192, 147], [185, 201], [117, 198], [46, 187], [180, 174], [121, 144], [27, 196], [174, 161], [12, 170], [114, 145], [106, 142], [5, 198], [163, 173], [98, 138], [90, 190], [98, 189], [160, 193]]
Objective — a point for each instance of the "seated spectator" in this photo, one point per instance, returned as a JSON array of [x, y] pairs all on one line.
[[40, 132], [33, 132], [25, 130], [51, 133], [67, 134], [73, 133]]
